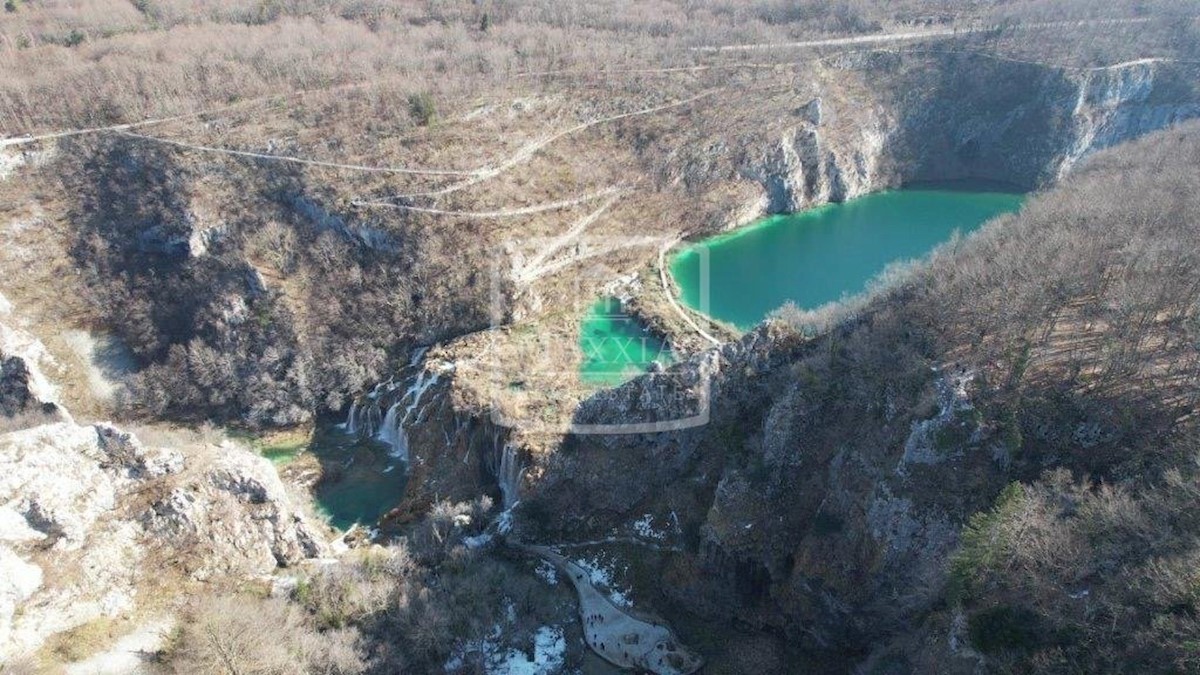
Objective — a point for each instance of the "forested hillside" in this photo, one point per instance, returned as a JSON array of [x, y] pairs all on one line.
[[988, 462], [333, 267]]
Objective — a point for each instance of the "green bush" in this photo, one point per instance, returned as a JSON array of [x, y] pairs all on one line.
[[982, 542]]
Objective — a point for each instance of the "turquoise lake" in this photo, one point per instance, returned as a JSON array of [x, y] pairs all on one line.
[[616, 346], [823, 254]]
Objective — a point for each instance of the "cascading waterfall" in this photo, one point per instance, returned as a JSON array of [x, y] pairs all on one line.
[[508, 475], [364, 417], [392, 431], [386, 414], [369, 417]]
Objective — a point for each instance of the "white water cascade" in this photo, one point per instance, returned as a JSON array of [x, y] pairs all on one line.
[[351, 424], [509, 472], [386, 413], [392, 433]]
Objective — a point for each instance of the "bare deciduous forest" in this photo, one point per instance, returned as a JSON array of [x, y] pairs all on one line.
[[985, 463]]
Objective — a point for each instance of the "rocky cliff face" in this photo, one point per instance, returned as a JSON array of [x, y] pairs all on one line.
[[951, 116], [1125, 101], [90, 516], [24, 390]]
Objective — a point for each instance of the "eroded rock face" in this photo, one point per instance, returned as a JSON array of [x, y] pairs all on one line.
[[948, 117], [264, 532], [89, 514], [807, 167], [26, 396]]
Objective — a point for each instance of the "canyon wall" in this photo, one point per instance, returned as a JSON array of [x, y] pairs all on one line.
[[934, 117]]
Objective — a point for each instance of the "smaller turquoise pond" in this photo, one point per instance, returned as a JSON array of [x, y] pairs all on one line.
[[361, 481], [819, 255], [616, 346]]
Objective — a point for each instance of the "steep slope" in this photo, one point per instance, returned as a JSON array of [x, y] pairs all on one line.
[[264, 291], [824, 500], [96, 527]]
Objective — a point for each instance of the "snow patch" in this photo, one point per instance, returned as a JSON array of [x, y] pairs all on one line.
[[546, 572], [644, 527], [477, 541], [549, 652], [600, 575]]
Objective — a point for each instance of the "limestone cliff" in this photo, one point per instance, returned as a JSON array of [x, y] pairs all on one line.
[[93, 522], [928, 116]]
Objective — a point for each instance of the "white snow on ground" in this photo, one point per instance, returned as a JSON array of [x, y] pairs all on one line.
[[546, 572], [477, 541], [549, 650], [644, 527], [600, 574], [548, 658]]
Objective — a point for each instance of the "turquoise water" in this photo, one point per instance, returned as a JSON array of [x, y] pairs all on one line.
[[819, 255], [616, 346], [360, 481]]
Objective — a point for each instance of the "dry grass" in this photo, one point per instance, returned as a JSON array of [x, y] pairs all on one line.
[[105, 61]]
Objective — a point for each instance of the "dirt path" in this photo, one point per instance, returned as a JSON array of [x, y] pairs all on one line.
[[298, 160], [913, 35], [529, 150], [667, 291], [503, 213], [534, 268], [25, 140]]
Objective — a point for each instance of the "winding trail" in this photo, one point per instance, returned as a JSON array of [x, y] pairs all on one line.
[[529, 150], [667, 291], [619, 244], [876, 38], [503, 213], [25, 140], [298, 160], [535, 267]]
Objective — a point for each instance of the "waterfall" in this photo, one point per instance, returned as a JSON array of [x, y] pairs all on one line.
[[363, 419], [508, 475], [371, 418], [399, 415], [400, 445], [390, 427], [418, 354]]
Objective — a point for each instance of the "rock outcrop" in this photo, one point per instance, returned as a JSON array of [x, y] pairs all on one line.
[[89, 515], [927, 116], [26, 396]]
